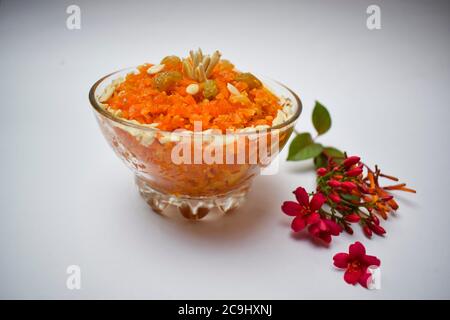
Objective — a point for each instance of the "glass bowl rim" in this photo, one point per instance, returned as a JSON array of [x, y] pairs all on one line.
[[95, 104]]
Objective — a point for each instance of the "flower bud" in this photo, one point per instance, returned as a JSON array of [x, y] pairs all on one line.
[[354, 172], [351, 161], [334, 183], [334, 197], [375, 219], [367, 232], [321, 172], [348, 185], [377, 229], [353, 218], [348, 229]]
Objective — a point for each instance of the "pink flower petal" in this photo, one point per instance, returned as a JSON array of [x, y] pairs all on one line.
[[314, 229], [317, 201], [352, 276], [302, 196], [298, 224], [334, 228], [340, 260], [364, 279], [325, 236], [321, 225], [291, 208], [313, 218], [371, 261], [356, 250]]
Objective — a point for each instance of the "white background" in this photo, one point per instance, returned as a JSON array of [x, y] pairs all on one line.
[[66, 199]]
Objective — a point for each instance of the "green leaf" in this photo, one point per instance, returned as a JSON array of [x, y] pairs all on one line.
[[333, 152], [303, 147], [298, 143], [320, 161], [321, 118], [310, 151]]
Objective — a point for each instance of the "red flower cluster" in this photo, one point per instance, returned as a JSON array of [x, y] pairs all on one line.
[[356, 262], [355, 198], [306, 213], [350, 196]]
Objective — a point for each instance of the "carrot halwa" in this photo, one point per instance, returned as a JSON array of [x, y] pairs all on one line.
[[176, 93], [180, 93]]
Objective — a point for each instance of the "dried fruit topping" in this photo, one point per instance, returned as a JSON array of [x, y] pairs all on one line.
[[165, 80], [210, 89], [251, 81], [172, 63]]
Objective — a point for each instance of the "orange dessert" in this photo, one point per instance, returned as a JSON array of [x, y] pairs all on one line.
[[150, 113], [169, 95]]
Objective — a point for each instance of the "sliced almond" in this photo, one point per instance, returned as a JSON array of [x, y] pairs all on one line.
[[147, 138], [279, 119], [168, 137], [232, 89], [214, 60], [117, 81], [206, 61], [192, 89], [192, 55], [155, 69], [153, 125], [187, 68], [107, 93], [202, 72], [115, 112], [262, 127]]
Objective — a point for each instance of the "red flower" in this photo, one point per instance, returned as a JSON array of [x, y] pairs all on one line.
[[324, 229], [321, 172], [305, 211], [356, 263]]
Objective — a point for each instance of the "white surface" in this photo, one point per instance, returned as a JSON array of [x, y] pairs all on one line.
[[66, 199]]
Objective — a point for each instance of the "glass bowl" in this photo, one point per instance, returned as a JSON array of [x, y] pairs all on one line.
[[187, 169]]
